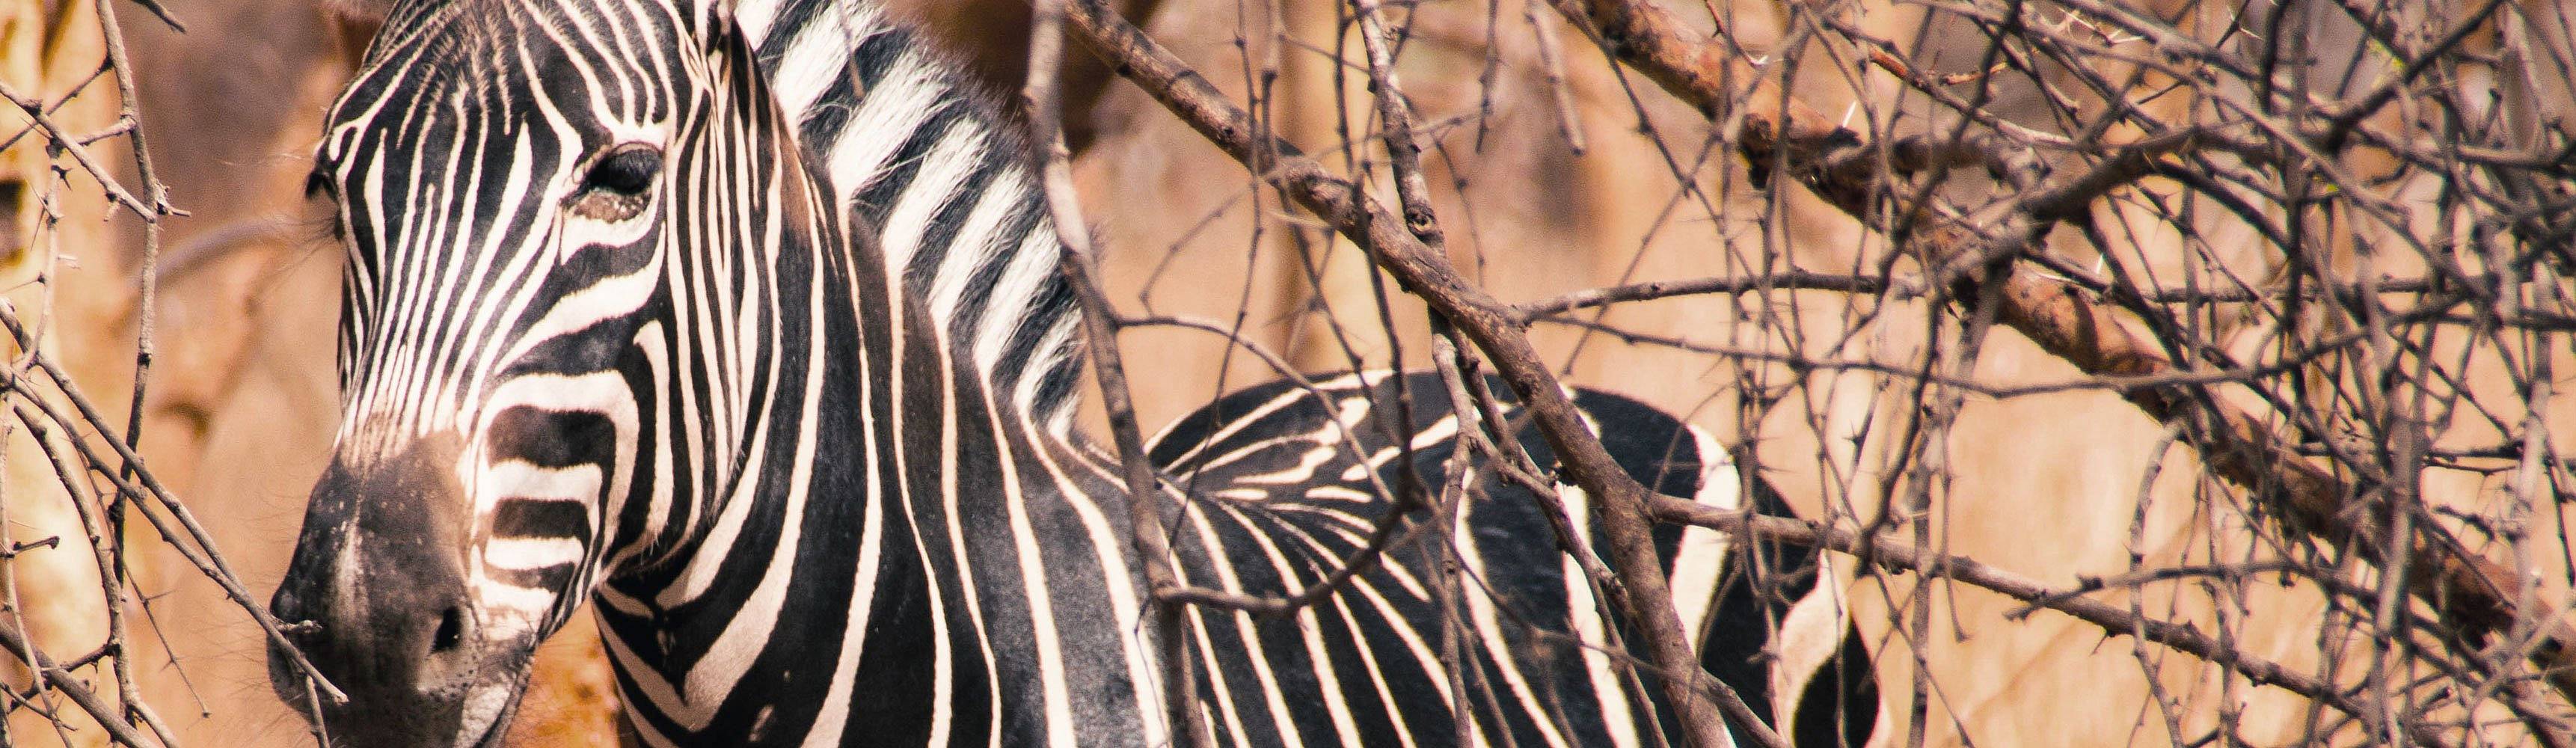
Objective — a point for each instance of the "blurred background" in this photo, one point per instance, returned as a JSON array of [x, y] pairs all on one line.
[[1553, 172]]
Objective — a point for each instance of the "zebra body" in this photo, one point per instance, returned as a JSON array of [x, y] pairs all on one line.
[[610, 329]]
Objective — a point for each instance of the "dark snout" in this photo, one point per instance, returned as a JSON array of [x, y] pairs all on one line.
[[376, 598]]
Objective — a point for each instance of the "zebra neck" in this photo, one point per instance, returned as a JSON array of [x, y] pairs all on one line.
[[896, 539], [917, 151]]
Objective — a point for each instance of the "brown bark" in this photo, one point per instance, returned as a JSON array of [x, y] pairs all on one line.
[[1493, 326], [1780, 132]]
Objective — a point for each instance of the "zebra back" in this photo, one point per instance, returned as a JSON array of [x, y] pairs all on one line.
[[913, 148], [1768, 615]]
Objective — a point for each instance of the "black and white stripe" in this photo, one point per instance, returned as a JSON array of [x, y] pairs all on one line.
[[703, 395], [1287, 460], [918, 153]]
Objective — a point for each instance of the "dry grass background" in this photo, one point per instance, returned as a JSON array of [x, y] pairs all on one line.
[[2053, 486]]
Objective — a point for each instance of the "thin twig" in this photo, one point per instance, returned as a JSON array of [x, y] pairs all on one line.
[[1902, 556], [1484, 320], [2236, 445]]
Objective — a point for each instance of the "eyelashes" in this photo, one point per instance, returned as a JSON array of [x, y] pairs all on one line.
[[619, 184], [322, 219], [626, 171]]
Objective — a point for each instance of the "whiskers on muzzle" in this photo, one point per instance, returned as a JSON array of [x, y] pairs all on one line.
[[380, 597]]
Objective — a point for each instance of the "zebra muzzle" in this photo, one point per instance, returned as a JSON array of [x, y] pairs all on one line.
[[377, 598]]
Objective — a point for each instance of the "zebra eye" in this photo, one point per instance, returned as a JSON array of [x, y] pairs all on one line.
[[627, 172], [614, 188]]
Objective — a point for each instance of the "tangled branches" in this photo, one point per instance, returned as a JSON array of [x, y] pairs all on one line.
[[2322, 247], [75, 480]]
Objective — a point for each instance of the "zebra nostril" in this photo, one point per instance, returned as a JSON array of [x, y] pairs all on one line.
[[451, 631], [292, 618]]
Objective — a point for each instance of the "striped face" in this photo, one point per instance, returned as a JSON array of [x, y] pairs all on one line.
[[505, 173]]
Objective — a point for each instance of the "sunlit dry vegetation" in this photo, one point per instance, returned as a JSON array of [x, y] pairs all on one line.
[[2177, 372]]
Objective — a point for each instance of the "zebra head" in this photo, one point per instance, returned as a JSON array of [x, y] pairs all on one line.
[[518, 305]]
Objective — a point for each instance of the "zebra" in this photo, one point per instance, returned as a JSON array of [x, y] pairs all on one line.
[[803, 513]]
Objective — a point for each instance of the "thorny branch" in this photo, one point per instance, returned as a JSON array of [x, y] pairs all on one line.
[[1900, 555], [74, 437], [2471, 590], [2147, 122], [2407, 219], [1488, 322]]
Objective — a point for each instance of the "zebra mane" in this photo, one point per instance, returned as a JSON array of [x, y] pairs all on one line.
[[918, 151]]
